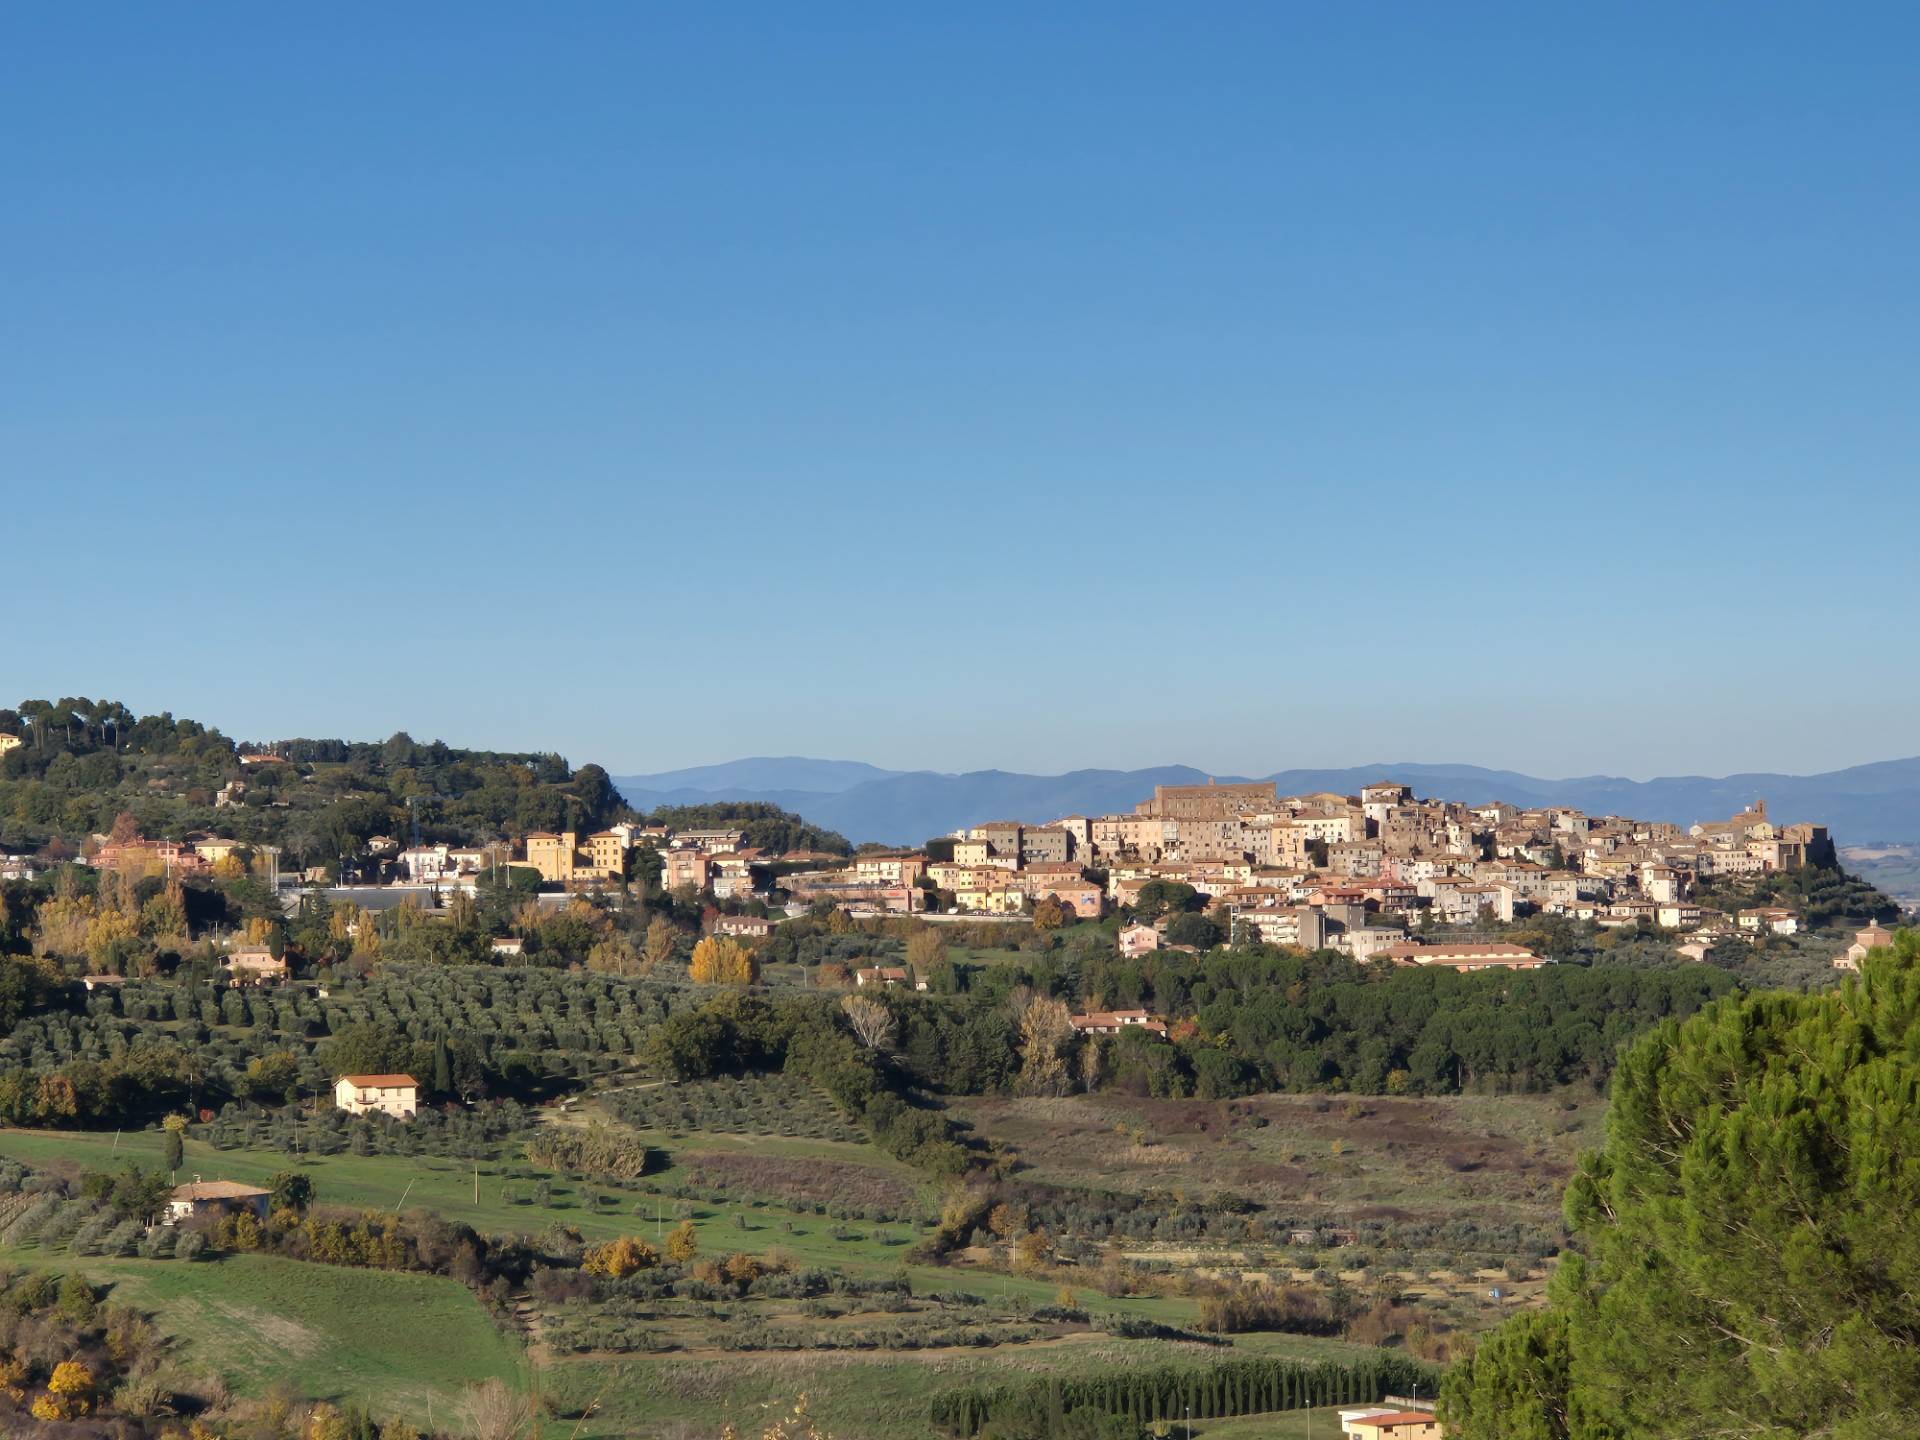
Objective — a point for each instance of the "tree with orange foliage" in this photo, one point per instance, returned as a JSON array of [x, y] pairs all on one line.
[[70, 1393], [619, 1257], [721, 960]]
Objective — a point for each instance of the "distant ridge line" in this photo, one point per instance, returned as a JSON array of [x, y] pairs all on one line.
[[1879, 801]]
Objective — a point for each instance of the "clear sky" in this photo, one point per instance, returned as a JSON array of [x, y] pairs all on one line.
[[956, 386]]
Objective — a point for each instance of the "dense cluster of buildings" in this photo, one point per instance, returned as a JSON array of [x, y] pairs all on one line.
[[1368, 874], [1359, 873]]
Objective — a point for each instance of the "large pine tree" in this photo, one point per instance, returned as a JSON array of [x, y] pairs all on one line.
[[1749, 1259]]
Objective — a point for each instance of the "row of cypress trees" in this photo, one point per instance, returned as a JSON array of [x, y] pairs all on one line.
[[1170, 1392]]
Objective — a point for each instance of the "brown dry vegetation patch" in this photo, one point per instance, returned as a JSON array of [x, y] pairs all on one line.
[[797, 1181], [1371, 1156]]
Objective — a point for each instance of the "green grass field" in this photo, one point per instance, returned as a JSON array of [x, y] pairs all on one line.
[[382, 1182], [408, 1343], [401, 1343]]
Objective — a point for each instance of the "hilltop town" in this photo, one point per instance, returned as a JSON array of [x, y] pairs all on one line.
[[1371, 875], [1378, 875]]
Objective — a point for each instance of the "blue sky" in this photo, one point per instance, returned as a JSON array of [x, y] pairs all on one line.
[[962, 386]]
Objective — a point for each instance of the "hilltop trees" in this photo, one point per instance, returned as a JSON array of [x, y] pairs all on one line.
[[764, 826], [1747, 1260], [84, 762]]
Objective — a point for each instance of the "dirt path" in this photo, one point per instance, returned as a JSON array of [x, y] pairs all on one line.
[[585, 1107], [527, 1316]]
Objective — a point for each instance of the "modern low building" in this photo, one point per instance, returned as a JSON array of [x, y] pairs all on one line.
[[1112, 1022], [1466, 955], [1393, 1425]]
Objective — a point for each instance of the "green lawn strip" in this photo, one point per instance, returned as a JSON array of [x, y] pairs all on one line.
[[399, 1342], [1319, 1424]]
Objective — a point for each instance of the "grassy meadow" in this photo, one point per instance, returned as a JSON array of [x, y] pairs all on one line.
[[407, 1342]]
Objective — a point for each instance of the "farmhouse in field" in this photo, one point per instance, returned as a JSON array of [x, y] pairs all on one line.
[[255, 965], [215, 1198], [395, 1095]]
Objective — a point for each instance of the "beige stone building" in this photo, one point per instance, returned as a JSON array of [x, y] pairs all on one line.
[[395, 1095]]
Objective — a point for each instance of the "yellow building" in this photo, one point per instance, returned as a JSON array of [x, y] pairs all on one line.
[[563, 860], [991, 902]]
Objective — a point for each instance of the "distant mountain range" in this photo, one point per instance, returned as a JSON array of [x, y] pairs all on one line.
[[1878, 802]]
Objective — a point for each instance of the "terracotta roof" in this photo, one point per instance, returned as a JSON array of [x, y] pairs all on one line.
[[217, 1190], [382, 1082]]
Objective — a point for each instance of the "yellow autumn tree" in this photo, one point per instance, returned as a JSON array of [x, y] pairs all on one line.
[[682, 1243], [721, 960], [61, 926], [165, 915], [619, 1257], [1031, 1250], [367, 944], [69, 1394], [659, 944], [1044, 1032], [105, 931]]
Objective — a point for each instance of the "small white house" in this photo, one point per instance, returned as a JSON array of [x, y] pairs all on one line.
[[395, 1095], [215, 1197], [1770, 919]]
